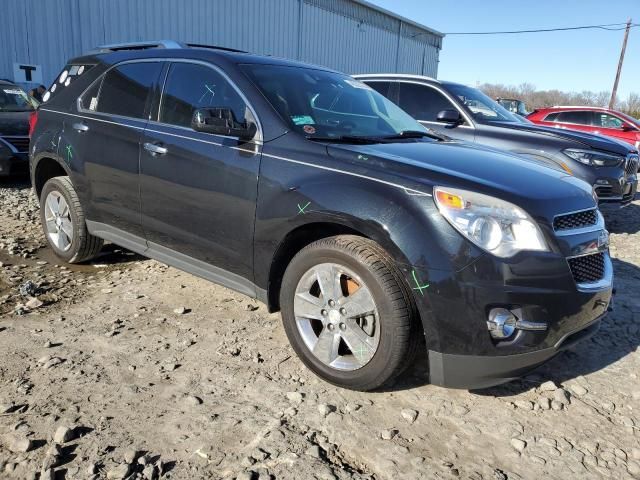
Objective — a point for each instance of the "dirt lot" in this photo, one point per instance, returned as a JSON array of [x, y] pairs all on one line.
[[126, 368]]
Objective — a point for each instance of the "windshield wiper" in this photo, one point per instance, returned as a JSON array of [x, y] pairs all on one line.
[[347, 139], [416, 134]]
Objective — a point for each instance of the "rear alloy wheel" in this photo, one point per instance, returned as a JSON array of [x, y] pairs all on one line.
[[348, 313], [64, 223]]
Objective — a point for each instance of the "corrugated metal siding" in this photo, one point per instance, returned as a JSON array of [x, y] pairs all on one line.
[[341, 34]]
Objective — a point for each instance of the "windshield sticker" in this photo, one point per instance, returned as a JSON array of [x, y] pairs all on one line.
[[302, 120], [63, 76], [94, 103], [357, 84], [81, 69], [309, 129], [12, 91], [53, 88], [67, 82], [46, 96], [74, 70]]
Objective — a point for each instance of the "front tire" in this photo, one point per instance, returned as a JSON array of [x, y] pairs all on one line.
[[63, 222], [348, 314]]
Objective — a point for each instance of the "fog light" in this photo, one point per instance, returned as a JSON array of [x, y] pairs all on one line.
[[501, 323]]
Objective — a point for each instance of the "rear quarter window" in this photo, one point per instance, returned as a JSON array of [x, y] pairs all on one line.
[[69, 74]]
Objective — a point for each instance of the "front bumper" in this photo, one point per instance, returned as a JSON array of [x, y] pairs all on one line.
[[476, 372], [14, 164]]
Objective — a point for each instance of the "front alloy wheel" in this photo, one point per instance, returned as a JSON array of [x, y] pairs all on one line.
[[348, 313], [337, 317]]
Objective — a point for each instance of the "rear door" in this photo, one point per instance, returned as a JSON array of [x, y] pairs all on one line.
[[198, 189], [580, 120], [424, 102], [105, 136]]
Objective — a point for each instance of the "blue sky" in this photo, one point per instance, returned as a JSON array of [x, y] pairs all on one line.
[[570, 61]]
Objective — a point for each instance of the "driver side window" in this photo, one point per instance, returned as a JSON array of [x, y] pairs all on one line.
[[422, 102], [605, 120], [191, 86]]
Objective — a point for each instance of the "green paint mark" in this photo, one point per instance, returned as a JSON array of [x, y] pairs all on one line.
[[69, 153], [363, 157], [302, 209], [418, 287], [360, 352]]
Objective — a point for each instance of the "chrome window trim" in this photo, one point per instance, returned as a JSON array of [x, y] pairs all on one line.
[[257, 138]]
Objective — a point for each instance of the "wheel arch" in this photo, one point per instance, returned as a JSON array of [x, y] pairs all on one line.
[[303, 235], [45, 167]]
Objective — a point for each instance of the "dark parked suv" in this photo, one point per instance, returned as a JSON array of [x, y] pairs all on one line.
[[15, 109], [465, 113], [308, 190]]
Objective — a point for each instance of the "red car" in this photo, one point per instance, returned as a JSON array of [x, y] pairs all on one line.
[[602, 121]]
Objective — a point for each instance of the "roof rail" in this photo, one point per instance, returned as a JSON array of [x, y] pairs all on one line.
[[579, 106], [114, 47], [215, 47]]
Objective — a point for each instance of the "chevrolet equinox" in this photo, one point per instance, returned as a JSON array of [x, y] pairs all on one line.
[[310, 191]]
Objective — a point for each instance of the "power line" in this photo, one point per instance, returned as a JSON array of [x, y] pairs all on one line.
[[607, 26]]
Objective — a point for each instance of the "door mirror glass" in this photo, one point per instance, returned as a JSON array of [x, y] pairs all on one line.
[[449, 116], [626, 127], [221, 121]]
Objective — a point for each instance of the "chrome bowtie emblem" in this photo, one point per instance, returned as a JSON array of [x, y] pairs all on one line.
[[603, 239]]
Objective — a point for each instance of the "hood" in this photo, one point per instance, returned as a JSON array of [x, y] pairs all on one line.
[[14, 123], [588, 140], [540, 190]]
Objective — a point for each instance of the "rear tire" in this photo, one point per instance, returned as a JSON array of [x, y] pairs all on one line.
[[63, 222], [348, 314]]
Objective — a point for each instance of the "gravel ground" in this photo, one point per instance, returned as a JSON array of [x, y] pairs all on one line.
[[126, 368]]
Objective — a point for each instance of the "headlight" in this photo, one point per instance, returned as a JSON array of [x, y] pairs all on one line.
[[494, 225], [593, 157]]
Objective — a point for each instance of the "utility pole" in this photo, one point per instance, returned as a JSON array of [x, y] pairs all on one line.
[[615, 84]]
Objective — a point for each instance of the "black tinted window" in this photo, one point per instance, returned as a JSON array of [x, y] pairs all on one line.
[[421, 102], [552, 117], [383, 88], [125, 89], [582, 118], [191, 86]]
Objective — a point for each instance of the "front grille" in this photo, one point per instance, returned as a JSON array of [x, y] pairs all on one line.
[[632, 165], [588, 268], [21, 144], [570, 221]]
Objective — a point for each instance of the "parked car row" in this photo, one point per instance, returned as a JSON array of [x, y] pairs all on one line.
[[322, 196], [465, 113]]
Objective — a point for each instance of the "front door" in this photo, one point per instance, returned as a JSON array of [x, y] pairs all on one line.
[[424, 102], [198, 190]]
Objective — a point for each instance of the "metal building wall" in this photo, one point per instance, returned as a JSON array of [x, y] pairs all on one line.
[[347, 35]]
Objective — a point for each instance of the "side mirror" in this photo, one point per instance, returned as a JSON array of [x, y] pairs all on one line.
[[221, 121], [450, 116], [628, 128]]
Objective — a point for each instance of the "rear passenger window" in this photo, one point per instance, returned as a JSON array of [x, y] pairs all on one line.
[[579, 117], [125, 89], [189, 87], [421, 102], [552, 117]]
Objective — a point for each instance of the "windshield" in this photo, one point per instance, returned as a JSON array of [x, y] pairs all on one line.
[[14, 99], [321, 104], [481, 106]]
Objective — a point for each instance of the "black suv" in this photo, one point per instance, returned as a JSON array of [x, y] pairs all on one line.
[[15, 109], [465, 113], [308, 190]]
